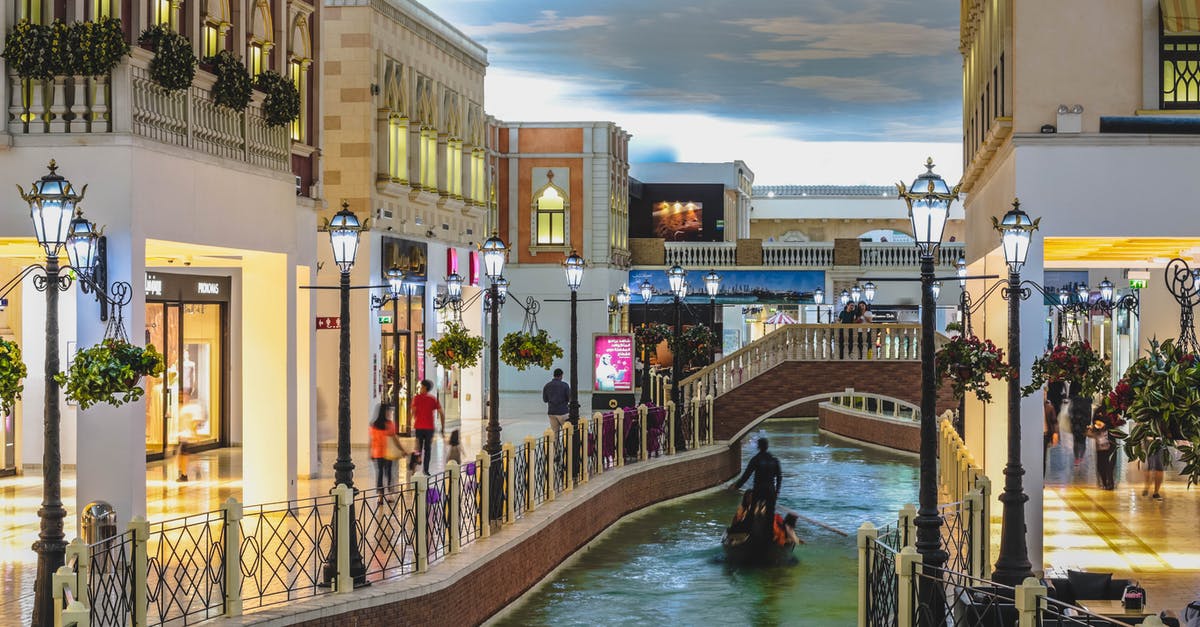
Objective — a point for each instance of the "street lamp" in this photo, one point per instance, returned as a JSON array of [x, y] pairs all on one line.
[[856, 294], [712, 285], [621, 300], [647, 291], [1012, 566], [844, 298], [937, 290], [344, 229], [869, 292], [928, 200], [573, 267], [495, 253], [677, 279], [818, 300]]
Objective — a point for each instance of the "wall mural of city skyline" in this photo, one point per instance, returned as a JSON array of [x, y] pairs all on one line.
[[738, 287]]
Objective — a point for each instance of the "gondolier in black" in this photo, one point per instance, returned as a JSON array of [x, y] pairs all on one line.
[[768, 478]]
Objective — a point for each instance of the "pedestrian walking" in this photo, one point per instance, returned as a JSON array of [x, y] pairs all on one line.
[[557, 397], [1079, 411], [385, 445], [1106, 455], [1049, 429], [424, 406], [454, 453], [1155, 464]]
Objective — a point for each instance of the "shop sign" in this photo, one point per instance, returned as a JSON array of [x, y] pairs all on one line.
[[153, 285], [421, 358], [612, 363], [884, 315], [329, 322], [205, 287]]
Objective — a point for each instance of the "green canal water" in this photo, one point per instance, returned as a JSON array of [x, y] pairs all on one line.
[[664, 566]]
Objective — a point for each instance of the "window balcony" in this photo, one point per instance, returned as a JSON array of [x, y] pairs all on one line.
[[128, 102]]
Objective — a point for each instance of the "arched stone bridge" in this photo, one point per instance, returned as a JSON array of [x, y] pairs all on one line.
[[790, 370]]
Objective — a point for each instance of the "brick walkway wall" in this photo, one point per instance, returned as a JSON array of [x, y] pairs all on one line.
[[903, 437], [794, 380], [477, 595]]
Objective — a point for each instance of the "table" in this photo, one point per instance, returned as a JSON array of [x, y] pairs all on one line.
[[1112, 608]]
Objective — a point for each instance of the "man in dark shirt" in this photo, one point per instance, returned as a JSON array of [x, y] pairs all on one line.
[[768, 477], [557, 397]]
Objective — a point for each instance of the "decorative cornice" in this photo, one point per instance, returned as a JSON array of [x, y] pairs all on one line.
[[427, 25]]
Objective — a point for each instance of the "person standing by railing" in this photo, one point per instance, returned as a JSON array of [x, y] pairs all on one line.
[[848, 316]]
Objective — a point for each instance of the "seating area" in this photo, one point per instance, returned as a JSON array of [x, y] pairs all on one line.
[[1078, 586]]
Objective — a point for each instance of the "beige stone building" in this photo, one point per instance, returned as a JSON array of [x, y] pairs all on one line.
[[406, 147]]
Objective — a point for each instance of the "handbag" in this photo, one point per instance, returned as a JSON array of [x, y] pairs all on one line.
[[394, 451], [1134, 597]]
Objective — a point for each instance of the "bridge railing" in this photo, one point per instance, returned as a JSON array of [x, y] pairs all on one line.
[[877, 405], [805, 342]]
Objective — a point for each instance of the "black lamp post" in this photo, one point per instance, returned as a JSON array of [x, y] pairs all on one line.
[[677, 279], [494, 255], [818, 300], [573, 268], [712, 286], [929, 200], [344, 229], [647, 291], [1012, 566], [52, 202]]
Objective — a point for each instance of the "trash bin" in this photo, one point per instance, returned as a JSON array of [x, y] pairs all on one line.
[[99, 522]]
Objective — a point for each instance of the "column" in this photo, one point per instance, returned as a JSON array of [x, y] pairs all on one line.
[[111, 454]]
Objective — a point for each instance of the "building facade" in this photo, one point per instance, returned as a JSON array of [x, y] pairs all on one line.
[[1096, 137], [406, 144], [210, 216]]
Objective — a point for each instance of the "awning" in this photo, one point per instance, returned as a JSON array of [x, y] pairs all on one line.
[[1180, 16], [781, 318]]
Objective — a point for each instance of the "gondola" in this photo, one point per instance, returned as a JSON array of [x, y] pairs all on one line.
[[755, 544]]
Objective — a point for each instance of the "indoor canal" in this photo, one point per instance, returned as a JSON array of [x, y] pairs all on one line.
[[664, 565]]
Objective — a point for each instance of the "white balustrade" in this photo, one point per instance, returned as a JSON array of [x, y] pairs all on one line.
[[806, 342], [886, 254], [701, 253], [806, 254], [129, 100]]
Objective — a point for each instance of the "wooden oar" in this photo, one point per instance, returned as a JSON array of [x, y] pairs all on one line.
[[815, 522]]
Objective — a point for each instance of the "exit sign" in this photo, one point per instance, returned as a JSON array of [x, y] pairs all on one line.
[[385, 319], [1138, 284]]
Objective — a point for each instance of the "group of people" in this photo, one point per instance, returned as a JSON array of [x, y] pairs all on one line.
[[853, 313], [387, 448], [1084, 425]]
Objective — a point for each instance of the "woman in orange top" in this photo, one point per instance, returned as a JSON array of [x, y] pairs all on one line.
[[381, 429]]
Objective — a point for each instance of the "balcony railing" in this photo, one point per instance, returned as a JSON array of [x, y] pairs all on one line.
[[884, 254], [129, 102], [701, 253], [808, 254]]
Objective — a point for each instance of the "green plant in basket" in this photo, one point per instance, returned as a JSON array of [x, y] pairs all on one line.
[[456, 347], [109, 372], [1160, 396], [649, 336], [27, 50], [522, 350], [233, 87], [966, 362], [174, 65], [97, 47], [1076, 363], [12, 375], [282, 104]]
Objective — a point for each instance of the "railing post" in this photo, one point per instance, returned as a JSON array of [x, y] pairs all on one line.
[[598, 425], [233, 557], [975, 523], [907, 524], [422, 481], [510, 480], [530, 472], [1028, 597], [551, 439], [454, 474], [908, 563], [866, 535], [583, 449], [619, 427], [569, 446], [141, 570], [484, 485], [709, 418], [643, 414], [670, 430], [343, 497], [696, 422], [985, 528]]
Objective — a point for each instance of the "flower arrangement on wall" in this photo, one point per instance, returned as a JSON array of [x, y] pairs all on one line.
[[97, 47], [282, 104], [233, 87], [43, 51], [967, 362], [174, 65]]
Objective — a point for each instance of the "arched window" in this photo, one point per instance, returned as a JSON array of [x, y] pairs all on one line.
[[299, 60], [550, 208], [217, 22], [259, 48]]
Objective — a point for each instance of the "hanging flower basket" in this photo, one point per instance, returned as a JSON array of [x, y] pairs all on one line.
[[967, 362], [456, 347], [233, 87], [109, 372], [1160, 395], [282, 104], [12, 375], [1076, 363], [521, 349]]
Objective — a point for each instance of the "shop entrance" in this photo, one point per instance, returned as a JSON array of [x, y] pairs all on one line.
[[187, 321]]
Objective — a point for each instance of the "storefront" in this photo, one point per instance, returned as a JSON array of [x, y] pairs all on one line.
[[402, 326], [187, 320]]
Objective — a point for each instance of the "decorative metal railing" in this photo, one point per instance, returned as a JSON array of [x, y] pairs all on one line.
[[879, 604], [128, 101], [190, 569]]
